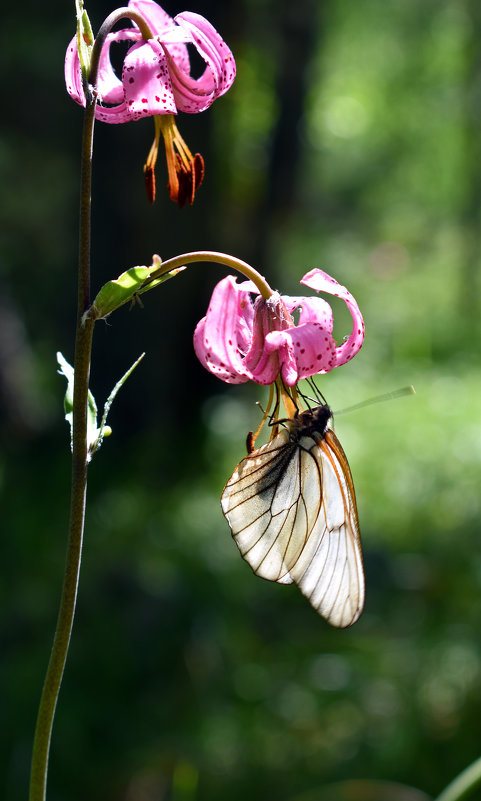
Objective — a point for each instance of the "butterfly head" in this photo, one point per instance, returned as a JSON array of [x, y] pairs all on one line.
[[312, 420]]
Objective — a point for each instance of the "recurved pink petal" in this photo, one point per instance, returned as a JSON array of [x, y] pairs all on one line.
[[217, 335], [246, 317], [196, 94], [312, 347], [322, 282], [313, 309], [146, 81], [281, 343], [109, 85], [73, 75], [156, 18], [165, 29]]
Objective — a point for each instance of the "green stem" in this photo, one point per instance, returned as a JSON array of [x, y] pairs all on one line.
[[83, 346], [106, 27], [219, 258], [464, 784], [83, 349]]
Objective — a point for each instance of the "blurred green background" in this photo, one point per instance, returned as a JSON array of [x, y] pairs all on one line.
[[351, 142]]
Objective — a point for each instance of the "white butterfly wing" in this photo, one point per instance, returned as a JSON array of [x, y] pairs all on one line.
[[292, 511]]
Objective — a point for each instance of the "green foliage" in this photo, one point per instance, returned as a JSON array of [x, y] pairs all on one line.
[[93, 432], [127, 288], [85, 39]]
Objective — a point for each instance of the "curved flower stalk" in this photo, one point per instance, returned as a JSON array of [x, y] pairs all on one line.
[[156, 82], [240, 340]]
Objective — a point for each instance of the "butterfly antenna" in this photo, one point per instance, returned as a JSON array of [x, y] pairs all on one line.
[[318, 396], [398, 393]]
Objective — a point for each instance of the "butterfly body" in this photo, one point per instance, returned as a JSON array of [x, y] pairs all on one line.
[[292, 510], [310, 423]]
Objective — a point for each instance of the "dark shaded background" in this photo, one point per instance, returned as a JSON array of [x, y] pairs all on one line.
[[351, 142]]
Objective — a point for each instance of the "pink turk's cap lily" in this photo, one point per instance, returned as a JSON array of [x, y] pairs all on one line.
[[156, 82], [156, 73], [239, 340]]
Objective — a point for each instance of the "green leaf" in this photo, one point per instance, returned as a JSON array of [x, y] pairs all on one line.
[[104, 430], [95, 435], [126, 288], [67, 370], [117, 293]]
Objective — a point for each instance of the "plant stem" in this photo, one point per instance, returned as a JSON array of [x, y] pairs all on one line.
[[464, 784], [219, 258], [83, 346], [104, 30], [80, 455]]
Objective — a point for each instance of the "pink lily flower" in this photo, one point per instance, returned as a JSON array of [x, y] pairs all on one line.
[[239, 340], [156, 82]]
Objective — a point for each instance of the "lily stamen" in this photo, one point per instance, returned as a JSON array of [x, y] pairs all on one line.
[[149, 166], [186, 171]]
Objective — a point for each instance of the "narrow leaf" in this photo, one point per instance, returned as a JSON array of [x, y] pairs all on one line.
[[104, 430]]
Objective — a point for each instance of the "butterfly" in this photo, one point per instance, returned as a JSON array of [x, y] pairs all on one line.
[[291, 507]]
